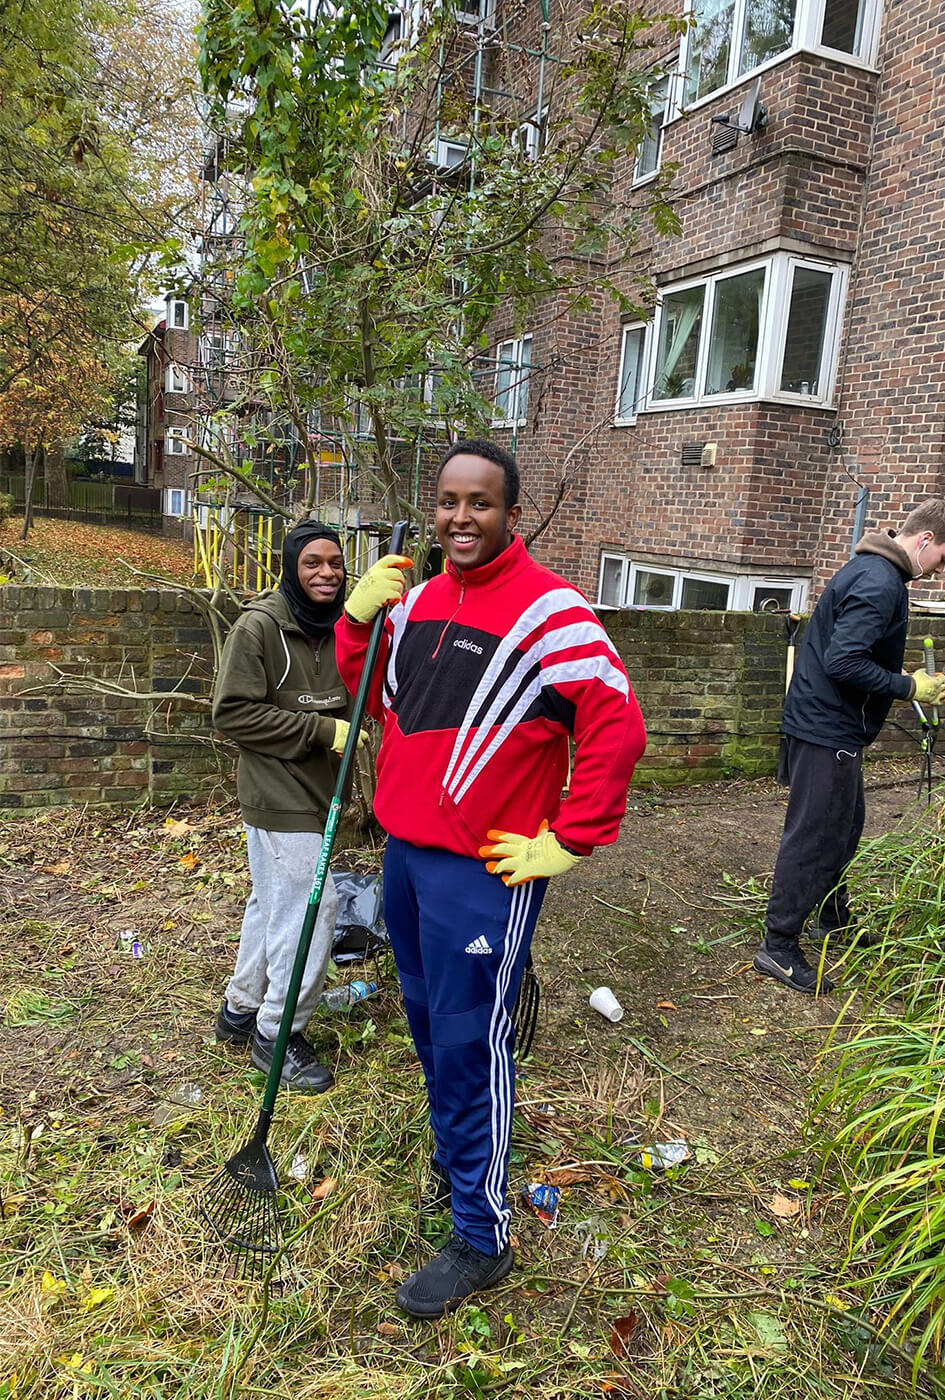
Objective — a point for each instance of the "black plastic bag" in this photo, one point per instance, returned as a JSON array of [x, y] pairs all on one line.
[[359, 924]]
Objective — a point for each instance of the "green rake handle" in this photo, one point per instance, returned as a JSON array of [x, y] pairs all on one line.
[[928, 646], [397, 541]]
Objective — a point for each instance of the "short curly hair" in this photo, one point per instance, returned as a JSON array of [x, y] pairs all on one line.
[[492, 452]]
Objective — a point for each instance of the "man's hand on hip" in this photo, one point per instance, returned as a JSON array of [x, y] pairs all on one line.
[[520, 858], [383, 583]]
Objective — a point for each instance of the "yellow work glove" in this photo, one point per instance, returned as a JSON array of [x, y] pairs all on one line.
[[521, 858], [928, 689], [383, 583], [341, 737]]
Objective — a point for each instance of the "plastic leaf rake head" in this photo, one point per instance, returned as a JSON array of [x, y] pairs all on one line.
[[241, 1207]]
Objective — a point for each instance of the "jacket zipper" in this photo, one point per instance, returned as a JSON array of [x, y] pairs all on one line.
[[436, 649], [450, 619]]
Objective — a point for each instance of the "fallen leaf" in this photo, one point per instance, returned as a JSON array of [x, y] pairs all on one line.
[[51, 1286], [189, 861], [324, 1188], [783, 1206], [394, 1271], [62, 868], [141, 1217], [570, 1176], [388, 1329], [177, 828], [94, 1297], [622, 1335], [666, 1005], [759, 1030]]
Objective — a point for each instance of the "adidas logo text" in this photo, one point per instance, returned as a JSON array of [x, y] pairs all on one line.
[[478, 945], [465, 644]]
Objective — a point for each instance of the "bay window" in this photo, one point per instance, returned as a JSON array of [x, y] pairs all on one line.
[[764, 331], [731, 38], [624, 583]]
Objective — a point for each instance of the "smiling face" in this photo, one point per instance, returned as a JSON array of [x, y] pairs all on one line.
[[473, 523], [321, 570]]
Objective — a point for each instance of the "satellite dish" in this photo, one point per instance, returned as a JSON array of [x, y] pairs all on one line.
[[751, 115]]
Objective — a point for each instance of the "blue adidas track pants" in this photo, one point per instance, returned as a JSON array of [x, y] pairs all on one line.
[[460, 938]]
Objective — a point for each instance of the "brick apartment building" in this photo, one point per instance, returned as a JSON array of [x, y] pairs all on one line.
[[796, 351], [787, 390], [165, 414]]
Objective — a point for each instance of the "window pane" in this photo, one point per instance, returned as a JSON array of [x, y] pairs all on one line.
[[522, 377], [611, 578], [733, 348], [709, 45], [630, 372], [843, 25], [649, 157], [769, 29], [807, 323], [768, 598], [680, 329], [653, 590], [704, 594], [505, 380]]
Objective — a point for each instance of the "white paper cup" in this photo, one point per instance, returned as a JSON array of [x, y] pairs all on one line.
[[603, 1000]]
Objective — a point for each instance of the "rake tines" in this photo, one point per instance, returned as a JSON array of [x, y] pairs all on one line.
[[525, 1011], [241, 1207]]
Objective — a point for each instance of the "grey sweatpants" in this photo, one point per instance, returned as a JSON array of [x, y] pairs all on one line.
[[282, 866]]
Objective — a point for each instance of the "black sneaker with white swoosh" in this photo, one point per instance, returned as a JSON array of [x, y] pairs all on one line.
[[786, 963]]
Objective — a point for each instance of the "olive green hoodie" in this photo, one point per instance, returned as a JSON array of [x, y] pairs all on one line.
[[277, 695]]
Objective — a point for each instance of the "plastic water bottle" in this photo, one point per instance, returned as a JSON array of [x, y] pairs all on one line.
[[339, 998]]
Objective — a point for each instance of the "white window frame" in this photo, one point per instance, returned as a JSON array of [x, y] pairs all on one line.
[[175, 442], [529, 137], [440, 148], [510, 354], [626, 330], [476, 12], [772, 331], [171, 318], [169, 502], [643, 177], [808, 27], [176, 379], [741, 587]]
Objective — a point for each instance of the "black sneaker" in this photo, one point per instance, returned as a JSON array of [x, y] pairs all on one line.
[[439, 1193], [301, 1070], [455, 1273], [787, 964], [849, 935], [235, 1027]]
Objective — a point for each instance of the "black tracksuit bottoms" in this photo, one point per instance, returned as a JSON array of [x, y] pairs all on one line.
[[823, 825]]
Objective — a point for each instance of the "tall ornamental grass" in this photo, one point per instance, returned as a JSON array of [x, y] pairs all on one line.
[[878, 1104]]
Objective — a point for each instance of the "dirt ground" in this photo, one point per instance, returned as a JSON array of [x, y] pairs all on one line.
[[97, 1042]]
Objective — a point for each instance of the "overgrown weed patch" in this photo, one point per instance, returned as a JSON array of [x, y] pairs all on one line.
[[676, 1284]]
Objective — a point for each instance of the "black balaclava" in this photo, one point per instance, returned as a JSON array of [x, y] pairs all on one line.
[[315, 619]]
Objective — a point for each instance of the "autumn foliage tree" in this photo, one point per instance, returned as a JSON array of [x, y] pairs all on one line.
[[97, 103]]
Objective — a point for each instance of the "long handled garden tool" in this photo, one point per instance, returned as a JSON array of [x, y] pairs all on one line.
[[240, 1205], [929, 725]]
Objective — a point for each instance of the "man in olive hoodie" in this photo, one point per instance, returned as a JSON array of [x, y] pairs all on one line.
[[280, 698], [848, 673]]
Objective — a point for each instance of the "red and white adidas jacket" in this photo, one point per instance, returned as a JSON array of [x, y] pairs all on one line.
[[482, 676]]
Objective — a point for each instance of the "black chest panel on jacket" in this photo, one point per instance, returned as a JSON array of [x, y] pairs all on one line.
[[438, 668]]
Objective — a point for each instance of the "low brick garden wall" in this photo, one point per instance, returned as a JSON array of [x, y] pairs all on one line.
[[710, 686]]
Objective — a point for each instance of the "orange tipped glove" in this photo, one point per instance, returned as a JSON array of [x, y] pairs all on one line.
[[341, 737], [383, 583], [522, 858]]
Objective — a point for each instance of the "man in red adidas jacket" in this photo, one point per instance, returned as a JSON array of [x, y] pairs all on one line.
[[485, 674]]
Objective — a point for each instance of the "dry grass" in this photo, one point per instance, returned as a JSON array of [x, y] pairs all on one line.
[[107, 1288]]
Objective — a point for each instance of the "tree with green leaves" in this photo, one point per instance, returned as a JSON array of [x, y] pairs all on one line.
[[394, 199], [98, 125]]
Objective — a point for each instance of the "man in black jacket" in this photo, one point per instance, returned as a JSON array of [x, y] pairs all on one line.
[[848, 673]]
